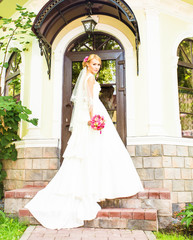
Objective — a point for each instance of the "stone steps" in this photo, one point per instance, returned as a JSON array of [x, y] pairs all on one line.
[[121, 218], [18, 198], [110, 216], [125, 218], [27, 192]]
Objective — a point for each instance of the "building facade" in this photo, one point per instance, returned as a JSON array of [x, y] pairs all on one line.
[[147, 81]]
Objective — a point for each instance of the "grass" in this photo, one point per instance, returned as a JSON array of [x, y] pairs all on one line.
[[176, 230], [10, 228], [171, 236]]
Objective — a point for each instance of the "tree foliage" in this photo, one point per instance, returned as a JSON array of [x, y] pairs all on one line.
[[15, 31]]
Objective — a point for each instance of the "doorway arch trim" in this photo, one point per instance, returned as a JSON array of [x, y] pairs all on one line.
[[57, 76]]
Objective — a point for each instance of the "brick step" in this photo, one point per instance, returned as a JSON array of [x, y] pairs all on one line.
[[30, 192], [125, 218], [18, 198], [140, 200], [26, 192], [158, 199]]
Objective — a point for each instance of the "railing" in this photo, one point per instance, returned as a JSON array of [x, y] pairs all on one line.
[[186, 110]]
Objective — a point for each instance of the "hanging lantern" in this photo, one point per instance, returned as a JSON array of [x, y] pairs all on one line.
[[89, 24]]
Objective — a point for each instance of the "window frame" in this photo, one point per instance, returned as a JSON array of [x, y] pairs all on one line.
[[187, 91], [9, 77]]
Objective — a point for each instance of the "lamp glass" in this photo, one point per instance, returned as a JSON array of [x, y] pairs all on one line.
[[89, 24]]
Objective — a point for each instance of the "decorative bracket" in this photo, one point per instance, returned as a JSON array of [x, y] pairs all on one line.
[[137, 42], [46, 50], [137, 53]]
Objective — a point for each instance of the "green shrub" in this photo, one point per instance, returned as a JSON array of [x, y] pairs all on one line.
[[11, 113], [187, 215]]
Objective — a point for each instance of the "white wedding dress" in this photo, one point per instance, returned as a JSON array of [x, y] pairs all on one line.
[[95, 167]]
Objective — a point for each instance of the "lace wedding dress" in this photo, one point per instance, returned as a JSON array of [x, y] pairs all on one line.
[[95, 167]]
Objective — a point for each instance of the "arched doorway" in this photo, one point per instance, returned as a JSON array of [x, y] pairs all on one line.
[[111, 79], [55, 15]]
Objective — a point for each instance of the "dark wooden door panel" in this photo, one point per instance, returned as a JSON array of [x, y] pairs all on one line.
[[121, 97], [66, 106], [70, 57]]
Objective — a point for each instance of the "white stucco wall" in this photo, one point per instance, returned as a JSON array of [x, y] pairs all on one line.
[[152, 97]]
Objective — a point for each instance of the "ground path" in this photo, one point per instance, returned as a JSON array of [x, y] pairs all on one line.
[[41, 233]]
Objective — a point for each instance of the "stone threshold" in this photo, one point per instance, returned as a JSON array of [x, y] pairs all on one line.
[[152, 140]]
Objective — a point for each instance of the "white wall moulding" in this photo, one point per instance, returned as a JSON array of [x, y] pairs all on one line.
[[37, 142]]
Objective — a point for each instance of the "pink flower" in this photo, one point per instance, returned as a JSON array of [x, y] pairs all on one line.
[[85, 59], [97, 123]]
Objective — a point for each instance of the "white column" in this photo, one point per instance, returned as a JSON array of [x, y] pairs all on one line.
[[154, 78], [57, 77], [130, 72], [35, 91]]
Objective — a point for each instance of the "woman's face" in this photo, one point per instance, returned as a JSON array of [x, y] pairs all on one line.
[[93, 66]]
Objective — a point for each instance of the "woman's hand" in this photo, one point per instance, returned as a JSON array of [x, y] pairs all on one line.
[[89, 123]]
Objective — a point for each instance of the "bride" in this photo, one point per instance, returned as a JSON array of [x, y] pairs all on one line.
[[95, 167]]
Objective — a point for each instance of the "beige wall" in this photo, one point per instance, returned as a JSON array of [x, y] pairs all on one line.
[[165, 166]]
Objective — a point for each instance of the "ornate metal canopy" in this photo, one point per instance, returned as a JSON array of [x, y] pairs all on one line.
[[56, 14]]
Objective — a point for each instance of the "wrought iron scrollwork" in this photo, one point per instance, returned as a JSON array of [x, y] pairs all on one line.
[[137, 42], [125, 8], [46, 50]]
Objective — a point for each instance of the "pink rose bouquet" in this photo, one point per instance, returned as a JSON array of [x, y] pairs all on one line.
[[97, 123]]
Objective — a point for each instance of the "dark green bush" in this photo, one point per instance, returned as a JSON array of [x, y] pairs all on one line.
[[187, 214], [11, 113]]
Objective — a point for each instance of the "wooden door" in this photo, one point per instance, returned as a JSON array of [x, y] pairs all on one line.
[[118, 106]]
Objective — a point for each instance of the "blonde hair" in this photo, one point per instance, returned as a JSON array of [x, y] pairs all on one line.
[[89, 58]]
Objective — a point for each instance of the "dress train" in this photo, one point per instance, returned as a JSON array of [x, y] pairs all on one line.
[[95, 167]]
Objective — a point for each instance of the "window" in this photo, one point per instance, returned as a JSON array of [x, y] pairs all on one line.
[[97, 42], [185, 86], [13, 77]]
